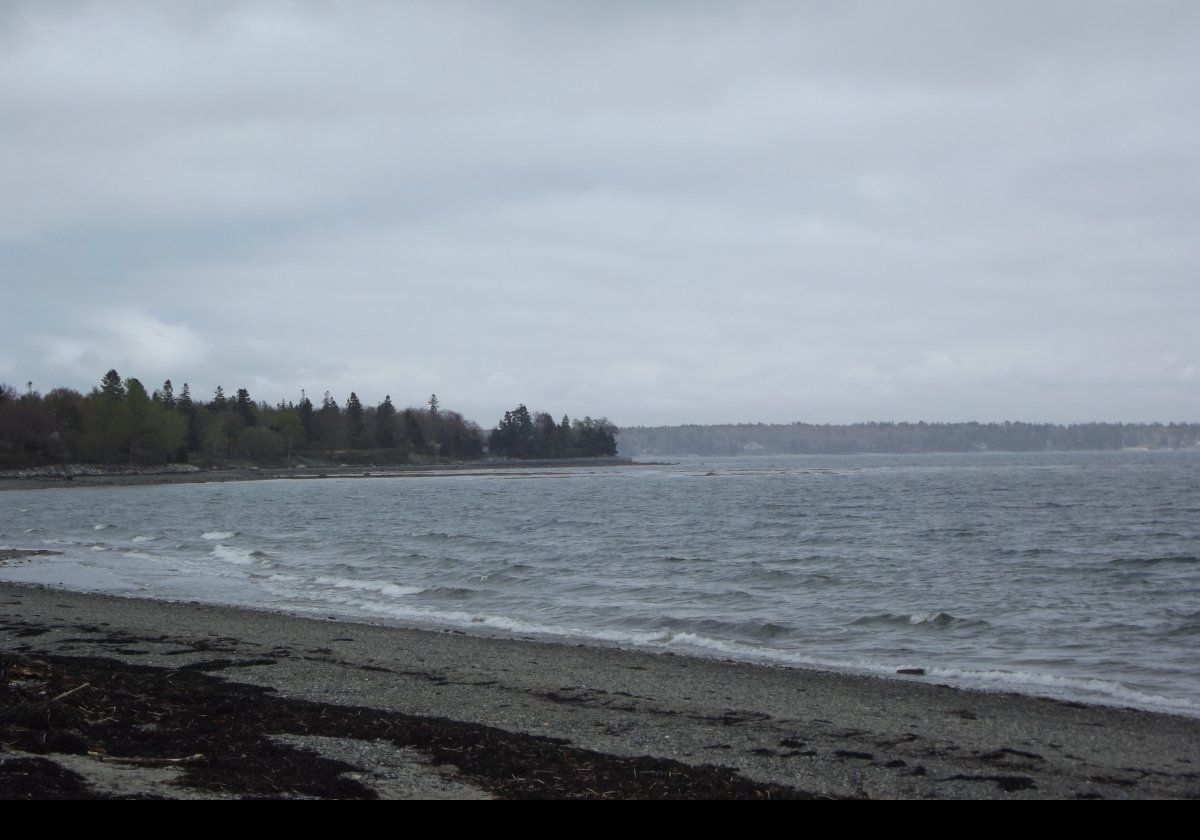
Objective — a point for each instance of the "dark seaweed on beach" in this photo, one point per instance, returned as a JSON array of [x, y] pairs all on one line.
[[219, 735]]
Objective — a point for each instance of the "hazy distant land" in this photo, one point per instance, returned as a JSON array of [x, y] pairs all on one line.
[[899, 438]]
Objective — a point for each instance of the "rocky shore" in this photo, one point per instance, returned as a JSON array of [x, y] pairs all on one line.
[[111, 697]]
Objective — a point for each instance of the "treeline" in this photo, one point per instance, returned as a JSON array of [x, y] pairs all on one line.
[[120, 422], [807, 438], [522, 435]]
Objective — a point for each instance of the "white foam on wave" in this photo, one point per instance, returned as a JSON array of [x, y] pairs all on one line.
[[459, 618], [138, 555], [1030, 682], [338, 590], [238, 556], [383, 587], [101, 527], [218, 535], [144, 539]]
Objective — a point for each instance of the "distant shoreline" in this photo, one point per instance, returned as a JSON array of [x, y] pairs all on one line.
[[61, 477]]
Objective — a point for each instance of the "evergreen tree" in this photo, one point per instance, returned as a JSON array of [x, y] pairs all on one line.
[[111, 387], [327, 424], [188, 410], [385, 424], [513, 437], [413, 436], [305, 409], [354, 421], [244, 406], [219, 401], [167, 395]]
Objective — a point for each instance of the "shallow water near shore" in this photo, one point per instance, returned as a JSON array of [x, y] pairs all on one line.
[[1075, 575]]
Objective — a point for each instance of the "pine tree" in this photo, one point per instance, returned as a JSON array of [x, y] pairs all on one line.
[[413, 435], [167, 395], [354, 420], [111, 387], [245, 407], [514, 436], [385, 424], [187, 408], [305, 409]]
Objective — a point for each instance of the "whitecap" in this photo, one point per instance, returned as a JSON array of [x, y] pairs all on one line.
[[238, 556], [383, 587]]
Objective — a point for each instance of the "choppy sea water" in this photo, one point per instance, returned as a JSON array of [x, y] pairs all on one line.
[[1074, 575]]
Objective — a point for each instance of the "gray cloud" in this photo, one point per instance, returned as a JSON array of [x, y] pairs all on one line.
[[674, 213]]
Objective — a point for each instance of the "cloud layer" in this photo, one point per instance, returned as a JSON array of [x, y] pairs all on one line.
[[676, 213]]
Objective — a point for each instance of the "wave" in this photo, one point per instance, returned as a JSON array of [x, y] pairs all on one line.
[[238, 556], [138, 555], [451, 593], [757, 630], [1188, 624], [1091, 688], [218, 535], [935, 620], [758, 573], [1171, 559], [383, 587]]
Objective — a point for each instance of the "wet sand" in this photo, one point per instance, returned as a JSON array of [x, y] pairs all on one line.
[[363, 710]]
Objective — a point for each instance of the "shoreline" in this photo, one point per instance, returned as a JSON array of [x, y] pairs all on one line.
[[827, 734], [63, 479]]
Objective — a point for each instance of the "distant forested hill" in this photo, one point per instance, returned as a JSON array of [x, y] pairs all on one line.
[[800, 438]]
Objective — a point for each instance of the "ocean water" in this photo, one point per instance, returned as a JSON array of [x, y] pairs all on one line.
[[1072, 575]]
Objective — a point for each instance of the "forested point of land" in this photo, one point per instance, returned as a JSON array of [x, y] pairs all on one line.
[[120, 422], [899, 438]]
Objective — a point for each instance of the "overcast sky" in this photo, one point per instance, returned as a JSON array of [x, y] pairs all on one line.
[[660, 212]]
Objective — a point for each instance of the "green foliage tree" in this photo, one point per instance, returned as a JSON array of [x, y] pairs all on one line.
[[385, 424], [355, 428], [414, 438], [244, 407], [513, 436], [290, 430], [119, 421], [261, 444], [304, 410], [112, 387], [189, 411], [327, 424], [167, 395]]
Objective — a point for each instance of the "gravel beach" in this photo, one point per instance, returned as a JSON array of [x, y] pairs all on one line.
[[98, 689]]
